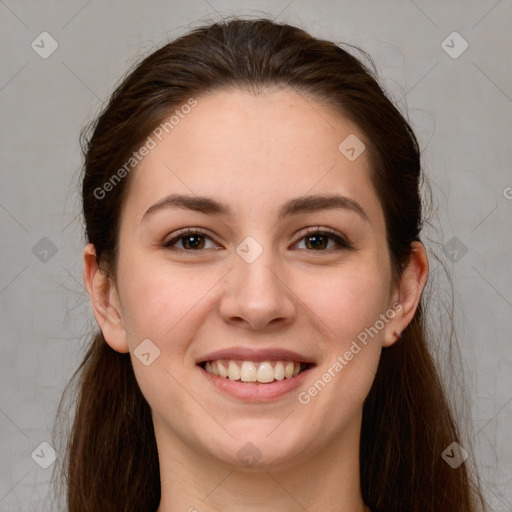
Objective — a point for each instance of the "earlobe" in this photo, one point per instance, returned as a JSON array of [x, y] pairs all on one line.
[[105, 302], [410, 288]]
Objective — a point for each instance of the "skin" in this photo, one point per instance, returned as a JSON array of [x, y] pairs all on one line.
[[254, 153]]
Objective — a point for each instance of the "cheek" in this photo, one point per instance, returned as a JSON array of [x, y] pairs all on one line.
[[156, 298], [350, 311], [358, 310], [347, 300]]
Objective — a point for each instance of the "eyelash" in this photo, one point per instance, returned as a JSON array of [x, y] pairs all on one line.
[[342, 242]]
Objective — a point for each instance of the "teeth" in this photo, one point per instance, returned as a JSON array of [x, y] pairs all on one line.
[[288, 370], [248, 371], [223, 371], [233, 371], [279, 371], [265, 372]]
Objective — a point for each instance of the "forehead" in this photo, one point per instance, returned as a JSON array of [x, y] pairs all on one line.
[[252, 151]]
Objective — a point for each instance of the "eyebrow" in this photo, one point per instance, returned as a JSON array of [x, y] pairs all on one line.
[[210, 206]]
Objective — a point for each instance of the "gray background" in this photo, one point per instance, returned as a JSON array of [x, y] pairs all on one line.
[[460, 108]]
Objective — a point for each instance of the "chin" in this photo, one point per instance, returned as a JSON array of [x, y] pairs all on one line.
[[255, 450]]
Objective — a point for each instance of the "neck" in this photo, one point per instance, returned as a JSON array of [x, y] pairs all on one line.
[[195, 482]]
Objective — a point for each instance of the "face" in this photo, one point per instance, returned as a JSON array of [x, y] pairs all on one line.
[[264, 277]]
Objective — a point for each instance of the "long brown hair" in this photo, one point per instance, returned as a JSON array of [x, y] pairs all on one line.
[[111, 460]]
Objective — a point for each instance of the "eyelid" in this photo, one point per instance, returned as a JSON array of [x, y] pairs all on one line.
[[184, 232], [338, 238]]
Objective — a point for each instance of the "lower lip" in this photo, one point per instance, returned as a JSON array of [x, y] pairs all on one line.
[[254, 391]]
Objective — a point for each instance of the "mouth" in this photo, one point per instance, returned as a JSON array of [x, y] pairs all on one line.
[[255, 375], [254, 372]]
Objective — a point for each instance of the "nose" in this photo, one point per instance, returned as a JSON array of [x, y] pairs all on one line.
[[257, 295]]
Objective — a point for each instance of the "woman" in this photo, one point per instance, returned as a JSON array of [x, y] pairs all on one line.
[[254, 264]]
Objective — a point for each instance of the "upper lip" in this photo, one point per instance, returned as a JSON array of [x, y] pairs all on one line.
[[249, 354]]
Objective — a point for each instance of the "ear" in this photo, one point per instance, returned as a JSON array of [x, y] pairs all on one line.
[[408, 293], [105, 301]]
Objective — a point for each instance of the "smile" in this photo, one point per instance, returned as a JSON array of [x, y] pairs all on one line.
[[262, 372]]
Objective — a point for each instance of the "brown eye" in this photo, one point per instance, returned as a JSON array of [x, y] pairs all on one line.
[[318, 240], [190, 240]]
